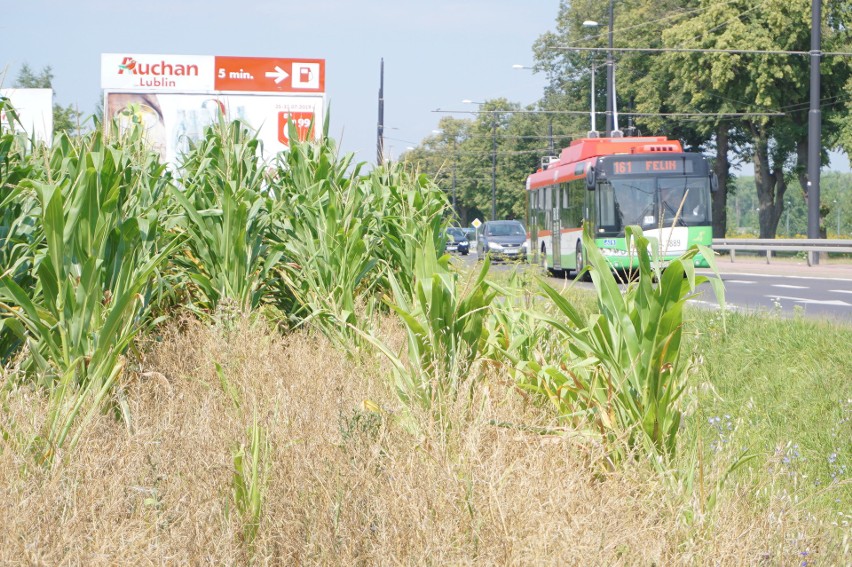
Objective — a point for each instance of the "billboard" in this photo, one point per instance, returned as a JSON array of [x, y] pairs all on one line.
[[175, 97], [35, 112]]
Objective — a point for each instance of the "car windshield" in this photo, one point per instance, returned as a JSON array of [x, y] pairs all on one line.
[[506, 229], [456, 234]]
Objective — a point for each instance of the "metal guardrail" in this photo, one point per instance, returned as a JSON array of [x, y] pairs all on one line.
[[810, 246]]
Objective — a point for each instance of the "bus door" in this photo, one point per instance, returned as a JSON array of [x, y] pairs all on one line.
[[532, 220], [556, 227], [590, 211]]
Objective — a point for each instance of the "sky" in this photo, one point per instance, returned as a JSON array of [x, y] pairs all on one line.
[[436, 53]]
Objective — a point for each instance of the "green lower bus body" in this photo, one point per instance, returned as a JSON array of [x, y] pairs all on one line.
[[615, 251], [623, 262]]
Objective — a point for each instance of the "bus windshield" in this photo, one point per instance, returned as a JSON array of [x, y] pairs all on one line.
[[653, 202]]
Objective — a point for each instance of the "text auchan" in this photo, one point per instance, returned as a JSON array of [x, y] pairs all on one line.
[[160, 71], [130, 65], [157, 72]]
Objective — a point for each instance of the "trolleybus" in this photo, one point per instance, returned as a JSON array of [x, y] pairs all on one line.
[[605, 184]]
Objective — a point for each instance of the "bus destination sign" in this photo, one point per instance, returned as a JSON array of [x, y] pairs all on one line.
[[656, 165]]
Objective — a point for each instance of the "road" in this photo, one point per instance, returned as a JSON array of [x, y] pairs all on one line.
[[821, 292]]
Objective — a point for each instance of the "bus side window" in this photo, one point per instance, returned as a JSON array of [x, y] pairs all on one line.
[[576, 195], [548, 199]]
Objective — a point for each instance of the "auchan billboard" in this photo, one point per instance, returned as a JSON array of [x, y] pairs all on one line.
[[207, 73], [177, 96]]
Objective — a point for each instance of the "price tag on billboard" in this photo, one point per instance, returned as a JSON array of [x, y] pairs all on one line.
[[303, 121]]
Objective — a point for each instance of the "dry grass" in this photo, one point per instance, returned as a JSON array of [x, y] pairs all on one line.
[[346, 486]]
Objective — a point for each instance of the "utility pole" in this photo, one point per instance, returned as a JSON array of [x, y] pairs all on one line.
[[788, 219], [550, 134], [494, 168], [610, 75], [380, 140], [814, 127], [837, 208], [455, 210]]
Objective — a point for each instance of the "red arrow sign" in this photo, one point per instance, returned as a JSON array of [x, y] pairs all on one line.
[[262, 74]]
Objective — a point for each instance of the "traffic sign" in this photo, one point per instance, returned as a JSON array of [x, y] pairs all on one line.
[[476, 223], [268, 74], [208, 73]]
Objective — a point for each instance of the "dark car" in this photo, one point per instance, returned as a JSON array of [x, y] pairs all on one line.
[[504, 239], [457, 241]]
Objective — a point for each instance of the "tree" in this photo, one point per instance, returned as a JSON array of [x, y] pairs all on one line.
[[438, 156], [649, 86], [462, 154], [65, 118], [843, 122], [642, 82], [714, 83], [779, 83]]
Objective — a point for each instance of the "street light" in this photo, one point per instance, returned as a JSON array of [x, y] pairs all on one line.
[[493, 160], [610, 79], [611, 114]]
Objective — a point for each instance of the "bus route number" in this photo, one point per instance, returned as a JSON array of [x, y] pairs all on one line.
[[622, 167]]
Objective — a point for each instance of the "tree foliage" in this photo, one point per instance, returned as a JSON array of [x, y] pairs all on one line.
[[766, 83], [743, 107], [496, 149]]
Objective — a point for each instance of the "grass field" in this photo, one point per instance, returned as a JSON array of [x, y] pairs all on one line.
[[782, 389], [344, 484]]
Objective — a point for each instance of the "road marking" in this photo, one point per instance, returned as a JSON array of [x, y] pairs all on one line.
[[741, 281], [790, 286], [841, 290], [836, 302], [715, 305], [723, 273]]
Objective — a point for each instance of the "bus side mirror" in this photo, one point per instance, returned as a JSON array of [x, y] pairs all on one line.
[[590, 178], [714, 182]]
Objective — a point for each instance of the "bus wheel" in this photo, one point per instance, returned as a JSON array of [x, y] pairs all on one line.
[[581, 263]]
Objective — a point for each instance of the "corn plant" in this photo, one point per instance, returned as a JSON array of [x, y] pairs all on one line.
[[329, 238], [409, 209], [326, 239], [226, 216], [251, 471], [516, 331], [18, 220], [94, 261], [444, 326], [624, 368], [344, 231]]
